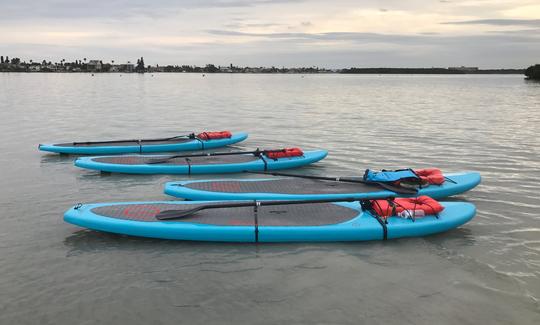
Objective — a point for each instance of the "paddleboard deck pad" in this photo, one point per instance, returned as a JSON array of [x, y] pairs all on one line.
[[343, 221], [141, 146], [291, 188], [140, 164]]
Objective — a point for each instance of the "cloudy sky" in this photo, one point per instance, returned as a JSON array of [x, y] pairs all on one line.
[[333, 34]]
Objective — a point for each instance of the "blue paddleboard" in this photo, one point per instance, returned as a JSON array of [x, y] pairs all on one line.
[[344, 221], [141, 164], [291, 188], [141, 146]]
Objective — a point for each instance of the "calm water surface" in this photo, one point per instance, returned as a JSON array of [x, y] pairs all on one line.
[[486, 271]]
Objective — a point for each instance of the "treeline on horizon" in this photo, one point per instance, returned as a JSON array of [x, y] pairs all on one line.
[[16, 65], [429, 71]]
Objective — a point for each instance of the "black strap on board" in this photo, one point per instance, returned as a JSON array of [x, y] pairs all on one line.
[[367, 206], [265, 162], [256, 219], [188, 161], [201, 142]]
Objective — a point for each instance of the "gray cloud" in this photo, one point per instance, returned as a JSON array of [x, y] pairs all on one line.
[[304, 49], [497, 22], [179, 32], [29, 9], [424, 38], [330, 36], [524, 32], [250, 25]]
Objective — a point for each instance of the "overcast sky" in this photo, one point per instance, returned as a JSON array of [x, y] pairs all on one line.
[[329, 33]]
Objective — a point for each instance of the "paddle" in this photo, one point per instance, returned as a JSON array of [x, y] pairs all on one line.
[[389, 187], [256, 153], [176, 214], [190, 136]]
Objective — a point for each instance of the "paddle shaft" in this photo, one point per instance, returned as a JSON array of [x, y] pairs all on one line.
[[159, 161], [346, 180], [191, 136], [175, 214], [324, 178]]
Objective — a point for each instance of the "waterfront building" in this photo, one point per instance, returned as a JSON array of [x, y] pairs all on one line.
[[94, 65], [126, 67], [464, 69]]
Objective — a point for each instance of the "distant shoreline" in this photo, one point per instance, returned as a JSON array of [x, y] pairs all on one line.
[[421, 71], [98, 66], [429, 71]]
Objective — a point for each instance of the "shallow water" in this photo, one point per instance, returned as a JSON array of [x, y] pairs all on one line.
[[486, 271]]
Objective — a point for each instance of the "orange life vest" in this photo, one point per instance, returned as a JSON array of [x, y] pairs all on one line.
[[283, 153], [214, 135], [430, 175], [387, 208]]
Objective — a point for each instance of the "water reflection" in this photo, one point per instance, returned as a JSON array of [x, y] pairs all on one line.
[[486, 270]]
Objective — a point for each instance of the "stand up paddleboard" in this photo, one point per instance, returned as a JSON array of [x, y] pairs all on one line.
[[204, 140], [231, 162], [241, 221], [295, 188]]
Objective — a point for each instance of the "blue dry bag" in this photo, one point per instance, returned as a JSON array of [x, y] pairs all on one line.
[[390, 176]]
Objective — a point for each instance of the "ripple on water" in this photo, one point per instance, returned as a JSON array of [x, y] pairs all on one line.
[[485, 271]]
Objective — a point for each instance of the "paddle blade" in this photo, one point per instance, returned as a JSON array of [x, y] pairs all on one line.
[[176, 214], [159, 161], [151, 162]]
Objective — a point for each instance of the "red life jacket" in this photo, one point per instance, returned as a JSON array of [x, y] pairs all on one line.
[[283, 153], [385, 208], [431, 175], [214, 135]]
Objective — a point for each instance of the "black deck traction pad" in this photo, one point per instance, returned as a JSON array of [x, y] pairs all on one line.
[[316, 214], [124, 143], [284, 186], [209, 160]]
